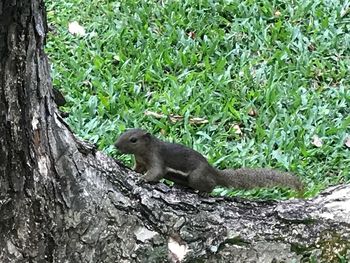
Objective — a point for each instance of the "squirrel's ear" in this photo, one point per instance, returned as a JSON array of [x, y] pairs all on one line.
[[147, 135]]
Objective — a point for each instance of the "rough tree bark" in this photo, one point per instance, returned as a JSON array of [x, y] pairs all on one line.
[[62, 201]]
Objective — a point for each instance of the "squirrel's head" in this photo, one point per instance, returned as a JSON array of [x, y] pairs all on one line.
[[135, 141]]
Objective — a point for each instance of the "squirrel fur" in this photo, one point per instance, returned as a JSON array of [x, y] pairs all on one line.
[[185, 166]]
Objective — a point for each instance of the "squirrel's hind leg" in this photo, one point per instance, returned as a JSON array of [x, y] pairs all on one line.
[[199, 179]]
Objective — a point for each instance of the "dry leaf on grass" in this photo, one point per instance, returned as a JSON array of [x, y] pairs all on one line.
[[175, 118], [192, 34], [277, 13], [316, 141], [197, 120], [237, 129], [347, 142], [154, 114], [76, 29], [252, 112]]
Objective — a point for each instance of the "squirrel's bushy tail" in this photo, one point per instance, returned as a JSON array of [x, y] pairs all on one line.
[[248, 178]]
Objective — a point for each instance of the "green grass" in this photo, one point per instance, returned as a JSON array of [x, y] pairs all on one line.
[[288, 60]]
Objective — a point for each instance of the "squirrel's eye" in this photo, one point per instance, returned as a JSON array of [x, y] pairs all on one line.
[[133, 139]]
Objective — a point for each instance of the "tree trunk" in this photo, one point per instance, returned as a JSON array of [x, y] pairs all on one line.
[[63, 201]]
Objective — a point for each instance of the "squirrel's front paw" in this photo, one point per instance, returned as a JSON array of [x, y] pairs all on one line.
[[147, 179]]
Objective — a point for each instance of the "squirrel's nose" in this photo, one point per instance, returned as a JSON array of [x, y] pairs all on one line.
[[119, 147]]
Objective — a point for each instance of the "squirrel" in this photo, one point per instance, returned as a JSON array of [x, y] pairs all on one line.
[[187, 167]]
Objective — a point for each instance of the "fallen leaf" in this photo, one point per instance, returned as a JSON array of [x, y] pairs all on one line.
[[88, 84], [192, 34], [116, 59], [277, 13], [316, 141], [197, 120], [154, 114], [347, 142], [175, 118], [252, 112], [76, 29], [237, 129]]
